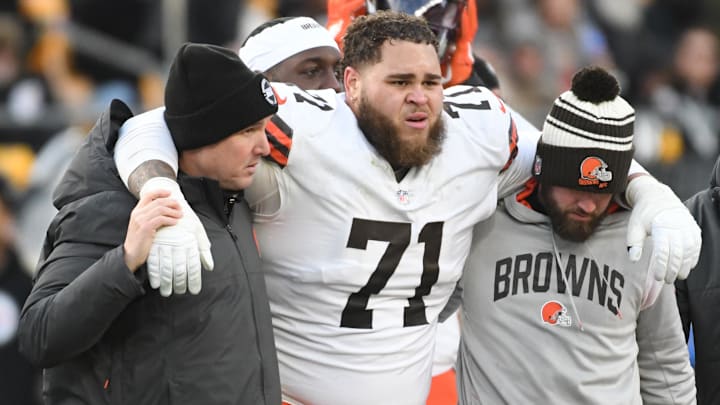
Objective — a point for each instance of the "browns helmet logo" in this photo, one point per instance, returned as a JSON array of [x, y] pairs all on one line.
[[555, 313], [594, 172]]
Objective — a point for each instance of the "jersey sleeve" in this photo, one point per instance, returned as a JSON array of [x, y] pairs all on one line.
[[665, 372], [485, 121], [519, 170], [299, 111], [146, 136], [300, 114], [636, 168], [263, 194], [142, 138]]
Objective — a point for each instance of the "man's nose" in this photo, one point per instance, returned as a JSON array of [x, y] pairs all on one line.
[[417, 95], [587, 204]]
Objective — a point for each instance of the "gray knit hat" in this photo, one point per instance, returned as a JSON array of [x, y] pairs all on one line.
[[586, 142]]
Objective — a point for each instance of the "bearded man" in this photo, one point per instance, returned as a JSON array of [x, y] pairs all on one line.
[[549, 296]]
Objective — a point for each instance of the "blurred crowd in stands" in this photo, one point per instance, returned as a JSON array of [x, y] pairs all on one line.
[[62, 61]]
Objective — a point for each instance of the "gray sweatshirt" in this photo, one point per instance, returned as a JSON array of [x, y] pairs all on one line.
[[593, 336]]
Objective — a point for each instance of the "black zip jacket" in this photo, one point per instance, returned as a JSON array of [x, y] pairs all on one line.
[[104, 337], [699, 295]]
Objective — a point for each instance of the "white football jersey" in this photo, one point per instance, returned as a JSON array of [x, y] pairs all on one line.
[[358, 265]]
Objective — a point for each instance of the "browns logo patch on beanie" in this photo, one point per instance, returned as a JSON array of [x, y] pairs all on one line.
[[210, 94], [586, 141]]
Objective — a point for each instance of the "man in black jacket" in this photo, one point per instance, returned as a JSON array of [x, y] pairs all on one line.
[[699, 295], [92, 322]]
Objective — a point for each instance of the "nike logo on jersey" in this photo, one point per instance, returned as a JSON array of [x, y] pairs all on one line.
[[526, 273], [502, 105], [280, 100]]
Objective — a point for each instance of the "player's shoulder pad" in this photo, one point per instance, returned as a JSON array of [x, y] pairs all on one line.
[[472, 101], [305, 111], [476, 108], [301, 114]]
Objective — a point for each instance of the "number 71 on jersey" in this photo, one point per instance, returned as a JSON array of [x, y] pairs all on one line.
[[397, 234]]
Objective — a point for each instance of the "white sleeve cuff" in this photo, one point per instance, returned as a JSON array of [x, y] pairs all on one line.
[[636, 168], [142, 138]]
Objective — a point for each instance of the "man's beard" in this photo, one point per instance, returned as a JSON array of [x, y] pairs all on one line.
[[384, 136], [565, 227]]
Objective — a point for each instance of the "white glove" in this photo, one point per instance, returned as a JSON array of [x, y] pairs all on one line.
[[652, 291], [177, 251], [657, 211]]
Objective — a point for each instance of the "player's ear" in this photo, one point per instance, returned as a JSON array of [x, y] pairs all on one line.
[[351, 81]]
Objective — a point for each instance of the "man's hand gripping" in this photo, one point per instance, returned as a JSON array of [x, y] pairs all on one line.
[[176, 255], [657, 211]]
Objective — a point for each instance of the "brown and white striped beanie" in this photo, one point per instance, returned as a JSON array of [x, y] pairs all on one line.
[[586, 141]]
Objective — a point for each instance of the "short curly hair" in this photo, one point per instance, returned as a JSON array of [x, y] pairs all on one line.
[[367, 33]]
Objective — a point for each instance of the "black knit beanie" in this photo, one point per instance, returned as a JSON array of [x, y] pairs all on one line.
[[586, 142], [211, 94]]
